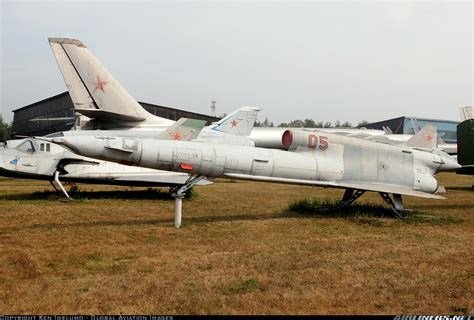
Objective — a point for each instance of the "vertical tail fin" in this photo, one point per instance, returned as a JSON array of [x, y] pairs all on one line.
[[232, 129], [426, 138], [239, 122], [184, 130], [466, 113], [94, 91]]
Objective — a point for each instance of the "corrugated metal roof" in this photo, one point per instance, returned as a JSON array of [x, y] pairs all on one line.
[[146, 103], [42, 101]]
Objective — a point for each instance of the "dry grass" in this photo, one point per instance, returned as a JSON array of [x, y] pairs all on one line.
[[240, 252]]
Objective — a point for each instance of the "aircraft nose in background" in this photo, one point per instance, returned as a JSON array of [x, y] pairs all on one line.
[[5, 160], [449, 164], [86, 146]]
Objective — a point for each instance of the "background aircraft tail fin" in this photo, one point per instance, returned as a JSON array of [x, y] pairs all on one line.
[[92, 87], [426, 138], [239, 122], [466, 113], [184, 130], [233, 129]]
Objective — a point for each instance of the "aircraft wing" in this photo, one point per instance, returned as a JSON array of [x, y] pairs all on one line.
[[62, 119], [78, 160], [108, 115], [166, 179], [388, 188], [376, 187], [426, 138]]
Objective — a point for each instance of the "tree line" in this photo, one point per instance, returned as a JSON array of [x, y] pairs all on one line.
[[5, 129], [310, 123]]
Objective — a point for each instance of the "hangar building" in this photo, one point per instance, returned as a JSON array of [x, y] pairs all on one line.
[[61, 106], [406, 125], [466, 146]]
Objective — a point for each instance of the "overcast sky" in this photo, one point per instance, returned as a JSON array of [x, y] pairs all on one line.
[[322, 60]]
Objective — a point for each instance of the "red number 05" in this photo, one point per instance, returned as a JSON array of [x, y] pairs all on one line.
[[323, 143], [313, 142]]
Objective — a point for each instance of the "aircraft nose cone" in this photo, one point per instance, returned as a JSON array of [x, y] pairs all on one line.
[[59, 140], [449, 165], [3, 161]]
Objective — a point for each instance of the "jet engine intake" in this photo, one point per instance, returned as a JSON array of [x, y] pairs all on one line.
[[306, 139], [425, 182]]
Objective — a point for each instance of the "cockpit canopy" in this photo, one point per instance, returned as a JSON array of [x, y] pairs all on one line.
[[30, 146], [27, 146]]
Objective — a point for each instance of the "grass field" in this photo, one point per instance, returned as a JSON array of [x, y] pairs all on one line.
[[240, 251]]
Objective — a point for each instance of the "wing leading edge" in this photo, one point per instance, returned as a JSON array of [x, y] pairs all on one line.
[[375, 187]]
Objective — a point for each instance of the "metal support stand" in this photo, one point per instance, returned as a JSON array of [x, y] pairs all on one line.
[[396, 203], [56, 179], [350, 195], [178, 205], [54, 186], [178, 196]]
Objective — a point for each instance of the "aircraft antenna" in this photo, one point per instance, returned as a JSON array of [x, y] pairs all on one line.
[[466, 113], [213, 108]]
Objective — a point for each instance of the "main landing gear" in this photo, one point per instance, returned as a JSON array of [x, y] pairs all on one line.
[[396, 203], [351, 195], [178, 195], [58, 183]]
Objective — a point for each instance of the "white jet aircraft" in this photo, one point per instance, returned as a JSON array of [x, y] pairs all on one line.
[[313, 158], [97, 95], [35, 159], [39, 160]]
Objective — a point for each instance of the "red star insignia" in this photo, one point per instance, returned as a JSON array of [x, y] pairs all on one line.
[[99, 84], [429, 138], [176, 135], [234, 123]]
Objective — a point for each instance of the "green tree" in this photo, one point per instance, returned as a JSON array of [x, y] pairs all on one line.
[[265, 123], [346, 124], [5, 129], [363, 123], [296, 124], [309, 123]]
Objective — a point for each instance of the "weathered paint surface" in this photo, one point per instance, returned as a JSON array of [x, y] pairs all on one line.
[[341, 161], [34, 159]]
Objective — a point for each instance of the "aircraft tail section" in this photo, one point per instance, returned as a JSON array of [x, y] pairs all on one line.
[[233, 129], [183, 130], [93, 90], [466, 113], [426, 138], [239, 122]]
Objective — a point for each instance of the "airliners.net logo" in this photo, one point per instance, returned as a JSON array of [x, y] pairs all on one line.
[[433, 318]]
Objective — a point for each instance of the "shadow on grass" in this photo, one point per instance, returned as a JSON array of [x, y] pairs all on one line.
[[373, 215], [330, 208], [147, 194], [364, 213], [167, 222], [461, 188]]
